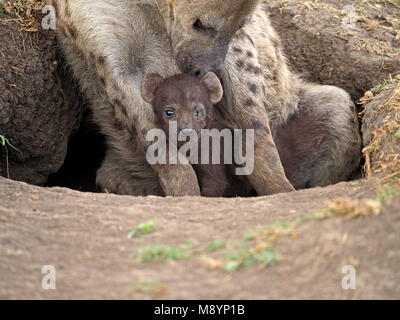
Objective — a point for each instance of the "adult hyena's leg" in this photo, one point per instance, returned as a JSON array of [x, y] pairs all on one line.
[[114, 177], [321, 143], [245, 93], [123, 171], [110, 72]]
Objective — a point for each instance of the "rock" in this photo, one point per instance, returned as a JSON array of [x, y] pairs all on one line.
[[352, 45], [40, 104]]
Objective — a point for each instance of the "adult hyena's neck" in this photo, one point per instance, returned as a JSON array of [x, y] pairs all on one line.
[[159, 5], [162, 7]]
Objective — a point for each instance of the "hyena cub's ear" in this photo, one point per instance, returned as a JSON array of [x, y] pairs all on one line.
[[150, 84], [213, 86]]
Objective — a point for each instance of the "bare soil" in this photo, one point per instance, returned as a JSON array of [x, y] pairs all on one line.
[[351, 44], [84, 236]]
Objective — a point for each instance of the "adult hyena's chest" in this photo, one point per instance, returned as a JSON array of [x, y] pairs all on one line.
[[151, 45]]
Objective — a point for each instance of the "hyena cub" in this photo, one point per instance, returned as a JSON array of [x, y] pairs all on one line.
[[190, 102]]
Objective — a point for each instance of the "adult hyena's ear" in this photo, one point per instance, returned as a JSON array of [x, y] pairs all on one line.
[[213, 86], [150, 84]]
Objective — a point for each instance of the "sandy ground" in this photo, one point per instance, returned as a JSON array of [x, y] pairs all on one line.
[[84, 236]]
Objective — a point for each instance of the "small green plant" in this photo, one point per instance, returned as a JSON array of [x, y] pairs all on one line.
[[257, 247], [385, 83], [164, 253], [20, 5], [396, 135], [276, 227], [5, 142], [395, 179], [387, 194], [215, 245], [248, 256], [143, 228], [149, 286]]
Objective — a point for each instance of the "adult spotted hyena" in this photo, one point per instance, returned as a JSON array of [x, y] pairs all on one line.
[[111, 44]]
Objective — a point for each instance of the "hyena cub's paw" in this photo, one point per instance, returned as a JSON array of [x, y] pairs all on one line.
[[179, 181]]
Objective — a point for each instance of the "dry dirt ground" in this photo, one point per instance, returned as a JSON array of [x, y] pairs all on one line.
[[354, 44], [85, 237]]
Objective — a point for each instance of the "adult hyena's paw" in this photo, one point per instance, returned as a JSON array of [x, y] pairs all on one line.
[[268, 176], [113, 179]]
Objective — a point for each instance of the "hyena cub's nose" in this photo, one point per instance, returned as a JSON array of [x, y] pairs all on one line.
[[187, 132]]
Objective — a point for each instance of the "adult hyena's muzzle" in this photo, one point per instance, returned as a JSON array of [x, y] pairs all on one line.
[[202, 61]]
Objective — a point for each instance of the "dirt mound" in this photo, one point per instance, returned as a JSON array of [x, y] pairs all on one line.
[[40, 104], [381, 129], [354, 45]]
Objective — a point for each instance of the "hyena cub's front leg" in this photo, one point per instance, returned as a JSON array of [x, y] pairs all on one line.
[[127, 136], [245, 92]]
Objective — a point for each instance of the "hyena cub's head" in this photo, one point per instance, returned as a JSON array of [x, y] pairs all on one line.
[[201, 30], [182, 98]]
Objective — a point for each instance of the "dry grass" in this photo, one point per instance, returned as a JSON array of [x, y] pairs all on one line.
[[383, 152], [259, 245], [25, 13], [352, 208]]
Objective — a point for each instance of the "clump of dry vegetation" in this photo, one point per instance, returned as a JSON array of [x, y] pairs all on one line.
[[378, 17], [350, 208], [23, 12], [382, 106], [259, 245], [149, 286]]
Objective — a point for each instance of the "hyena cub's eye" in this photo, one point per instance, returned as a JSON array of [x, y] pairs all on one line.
[[199, 112], [169, 113]]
